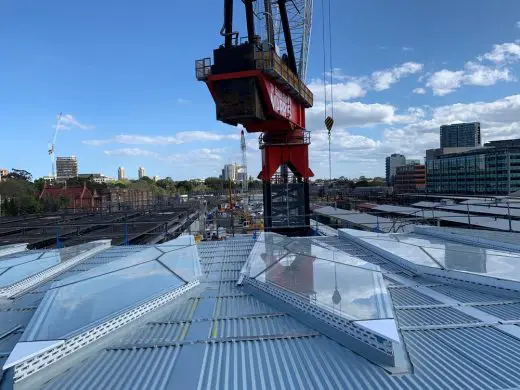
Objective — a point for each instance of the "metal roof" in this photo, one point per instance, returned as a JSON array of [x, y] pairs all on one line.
[[363, 220], [488, 208], [494, 223], [222, 337]]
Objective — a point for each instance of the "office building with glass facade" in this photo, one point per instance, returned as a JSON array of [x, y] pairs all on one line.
[[493, 169], [460, 135]]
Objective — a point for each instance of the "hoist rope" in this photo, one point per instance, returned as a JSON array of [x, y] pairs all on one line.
[[324, 55]]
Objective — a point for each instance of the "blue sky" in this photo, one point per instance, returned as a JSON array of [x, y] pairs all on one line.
[[122, 72]]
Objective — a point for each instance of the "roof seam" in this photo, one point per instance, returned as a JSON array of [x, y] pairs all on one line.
[[284, 336]]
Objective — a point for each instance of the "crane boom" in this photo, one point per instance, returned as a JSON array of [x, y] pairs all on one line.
[[52, 146]]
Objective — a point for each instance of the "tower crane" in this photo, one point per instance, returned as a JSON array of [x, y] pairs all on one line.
[[260, 84], [52, 146], [245, 182]]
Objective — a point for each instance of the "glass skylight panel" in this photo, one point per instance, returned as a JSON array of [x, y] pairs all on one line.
[[265, 253], [306, 246], [146, 255], [183, 261], [71, 309], [353, 292], [342, 284], [446, 254], [400, 246]]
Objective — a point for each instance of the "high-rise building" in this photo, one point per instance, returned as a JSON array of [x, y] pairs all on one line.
[[460, 135], [392, 162], [493, 169], [140, 173], [230, 172], [66, 168], [121, 173]]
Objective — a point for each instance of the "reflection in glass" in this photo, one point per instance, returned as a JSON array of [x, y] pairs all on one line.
[[446, 254], [70, 309], [333, 280], [184, 262]]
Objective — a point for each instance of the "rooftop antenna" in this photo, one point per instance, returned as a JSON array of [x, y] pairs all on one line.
[[52, 146]]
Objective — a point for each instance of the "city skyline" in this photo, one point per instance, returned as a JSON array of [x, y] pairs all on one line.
[[393, 86]]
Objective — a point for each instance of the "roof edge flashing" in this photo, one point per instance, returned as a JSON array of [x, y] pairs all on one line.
[[27, 367], [49, 273], [384, 351]]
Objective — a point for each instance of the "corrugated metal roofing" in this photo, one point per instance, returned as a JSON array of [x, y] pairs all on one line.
[[505, 311], [363, 220], [433, 316], [225, 338], [410, 297], [466, 295]]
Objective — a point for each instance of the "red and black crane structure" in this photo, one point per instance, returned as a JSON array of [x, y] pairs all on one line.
[[258, 82]]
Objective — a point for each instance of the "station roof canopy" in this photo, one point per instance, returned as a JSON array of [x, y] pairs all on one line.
[[276, 312]]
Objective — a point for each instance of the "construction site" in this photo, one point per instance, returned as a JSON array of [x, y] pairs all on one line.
[[271, 288]]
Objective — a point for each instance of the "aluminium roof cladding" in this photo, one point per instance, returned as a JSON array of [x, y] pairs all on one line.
[[222, 337], [77, 303]]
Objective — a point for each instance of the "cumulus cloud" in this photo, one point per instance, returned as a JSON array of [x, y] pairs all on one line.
[[478, 73], [69, 122], [357, 114], [132, 152], [502, 53], [445, 81], [196, 157], [182, 137], [383, 79], [411, 134], [419, 91], [344, 90], [345, 87]]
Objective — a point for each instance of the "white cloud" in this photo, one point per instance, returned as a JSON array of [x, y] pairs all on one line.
[[501, 111], [419, 91], [133, 152], [410, 134], [383, 79], [502, 53], [345, 87], [183, 101], [357, 114], [447, 81], [518, 24], [406, 48], [203, 157], [341, 91], [477, 74], [68, 122], [181, 137]]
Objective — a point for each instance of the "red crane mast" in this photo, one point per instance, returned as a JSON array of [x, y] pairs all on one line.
[[255, 87]]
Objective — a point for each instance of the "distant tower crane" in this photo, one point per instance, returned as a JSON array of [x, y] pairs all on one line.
[[260, 84], [52, 146], [245, 181]]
